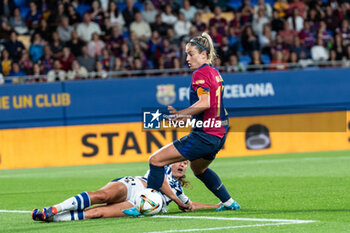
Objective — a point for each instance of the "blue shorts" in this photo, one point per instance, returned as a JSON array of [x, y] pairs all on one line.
[[198, 145]]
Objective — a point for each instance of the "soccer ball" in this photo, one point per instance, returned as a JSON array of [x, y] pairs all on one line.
[[149, 202]]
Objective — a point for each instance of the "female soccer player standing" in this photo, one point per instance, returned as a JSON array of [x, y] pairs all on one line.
[[203, 143]]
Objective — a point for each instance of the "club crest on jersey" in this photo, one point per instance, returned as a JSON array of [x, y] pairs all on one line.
[[166, 94]]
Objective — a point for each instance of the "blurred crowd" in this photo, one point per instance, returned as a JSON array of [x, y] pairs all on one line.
[[67, 40]]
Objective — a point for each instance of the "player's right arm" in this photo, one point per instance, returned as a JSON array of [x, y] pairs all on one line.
[[200, 106], [198, 205]]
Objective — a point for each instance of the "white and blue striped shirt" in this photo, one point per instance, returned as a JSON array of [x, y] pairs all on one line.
[[174, 185]]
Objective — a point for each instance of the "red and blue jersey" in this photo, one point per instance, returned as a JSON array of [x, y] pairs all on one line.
[[208, 79]]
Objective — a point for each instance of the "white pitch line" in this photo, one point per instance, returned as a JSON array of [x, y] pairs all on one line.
[[237, 219], [222, 228], [204, 217], [277, 223], [15, 211]]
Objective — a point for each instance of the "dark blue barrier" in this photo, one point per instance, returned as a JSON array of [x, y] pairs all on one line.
[[122, 100], [24, 105]]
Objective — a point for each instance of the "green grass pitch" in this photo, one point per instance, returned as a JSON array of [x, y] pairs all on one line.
[[303, 186]]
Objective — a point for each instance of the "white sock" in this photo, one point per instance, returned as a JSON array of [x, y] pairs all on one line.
[[69, 204], [229, 202], [69, 216], [78, 202]]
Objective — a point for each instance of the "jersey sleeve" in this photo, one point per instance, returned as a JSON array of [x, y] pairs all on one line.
[[200, 80], [184, 198], [180, 193]]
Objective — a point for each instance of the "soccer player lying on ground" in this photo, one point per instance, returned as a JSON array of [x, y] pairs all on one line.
[[117, 196]]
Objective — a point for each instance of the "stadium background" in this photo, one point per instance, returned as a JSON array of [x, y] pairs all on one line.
[[286, 91], [89, 122], [301, 107]]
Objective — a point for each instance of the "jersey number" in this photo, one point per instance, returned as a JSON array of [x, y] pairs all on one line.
[[218, 94]]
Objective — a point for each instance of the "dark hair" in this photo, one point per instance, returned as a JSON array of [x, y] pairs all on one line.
[[15, 63], [33, 37], [116, 11]]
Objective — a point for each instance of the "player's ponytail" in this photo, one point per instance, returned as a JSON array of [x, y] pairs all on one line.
[[204, 43], [212, 54]]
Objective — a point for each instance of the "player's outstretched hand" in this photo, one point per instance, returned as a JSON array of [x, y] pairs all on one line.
[[184, 207], [191, 208]]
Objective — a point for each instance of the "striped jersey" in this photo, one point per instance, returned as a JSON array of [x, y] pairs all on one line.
[[174, 185]]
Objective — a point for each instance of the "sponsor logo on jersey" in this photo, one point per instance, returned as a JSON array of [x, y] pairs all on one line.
[[200, 82], [219, 79]]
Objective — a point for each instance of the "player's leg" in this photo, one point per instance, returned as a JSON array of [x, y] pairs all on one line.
[[77, 202], [108, 211], [103, 211], [213, 182], [164, 156], [111, 193]]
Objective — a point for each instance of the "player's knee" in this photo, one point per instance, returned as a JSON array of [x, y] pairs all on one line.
[[102, 196], [196, 170], [154, 160]]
